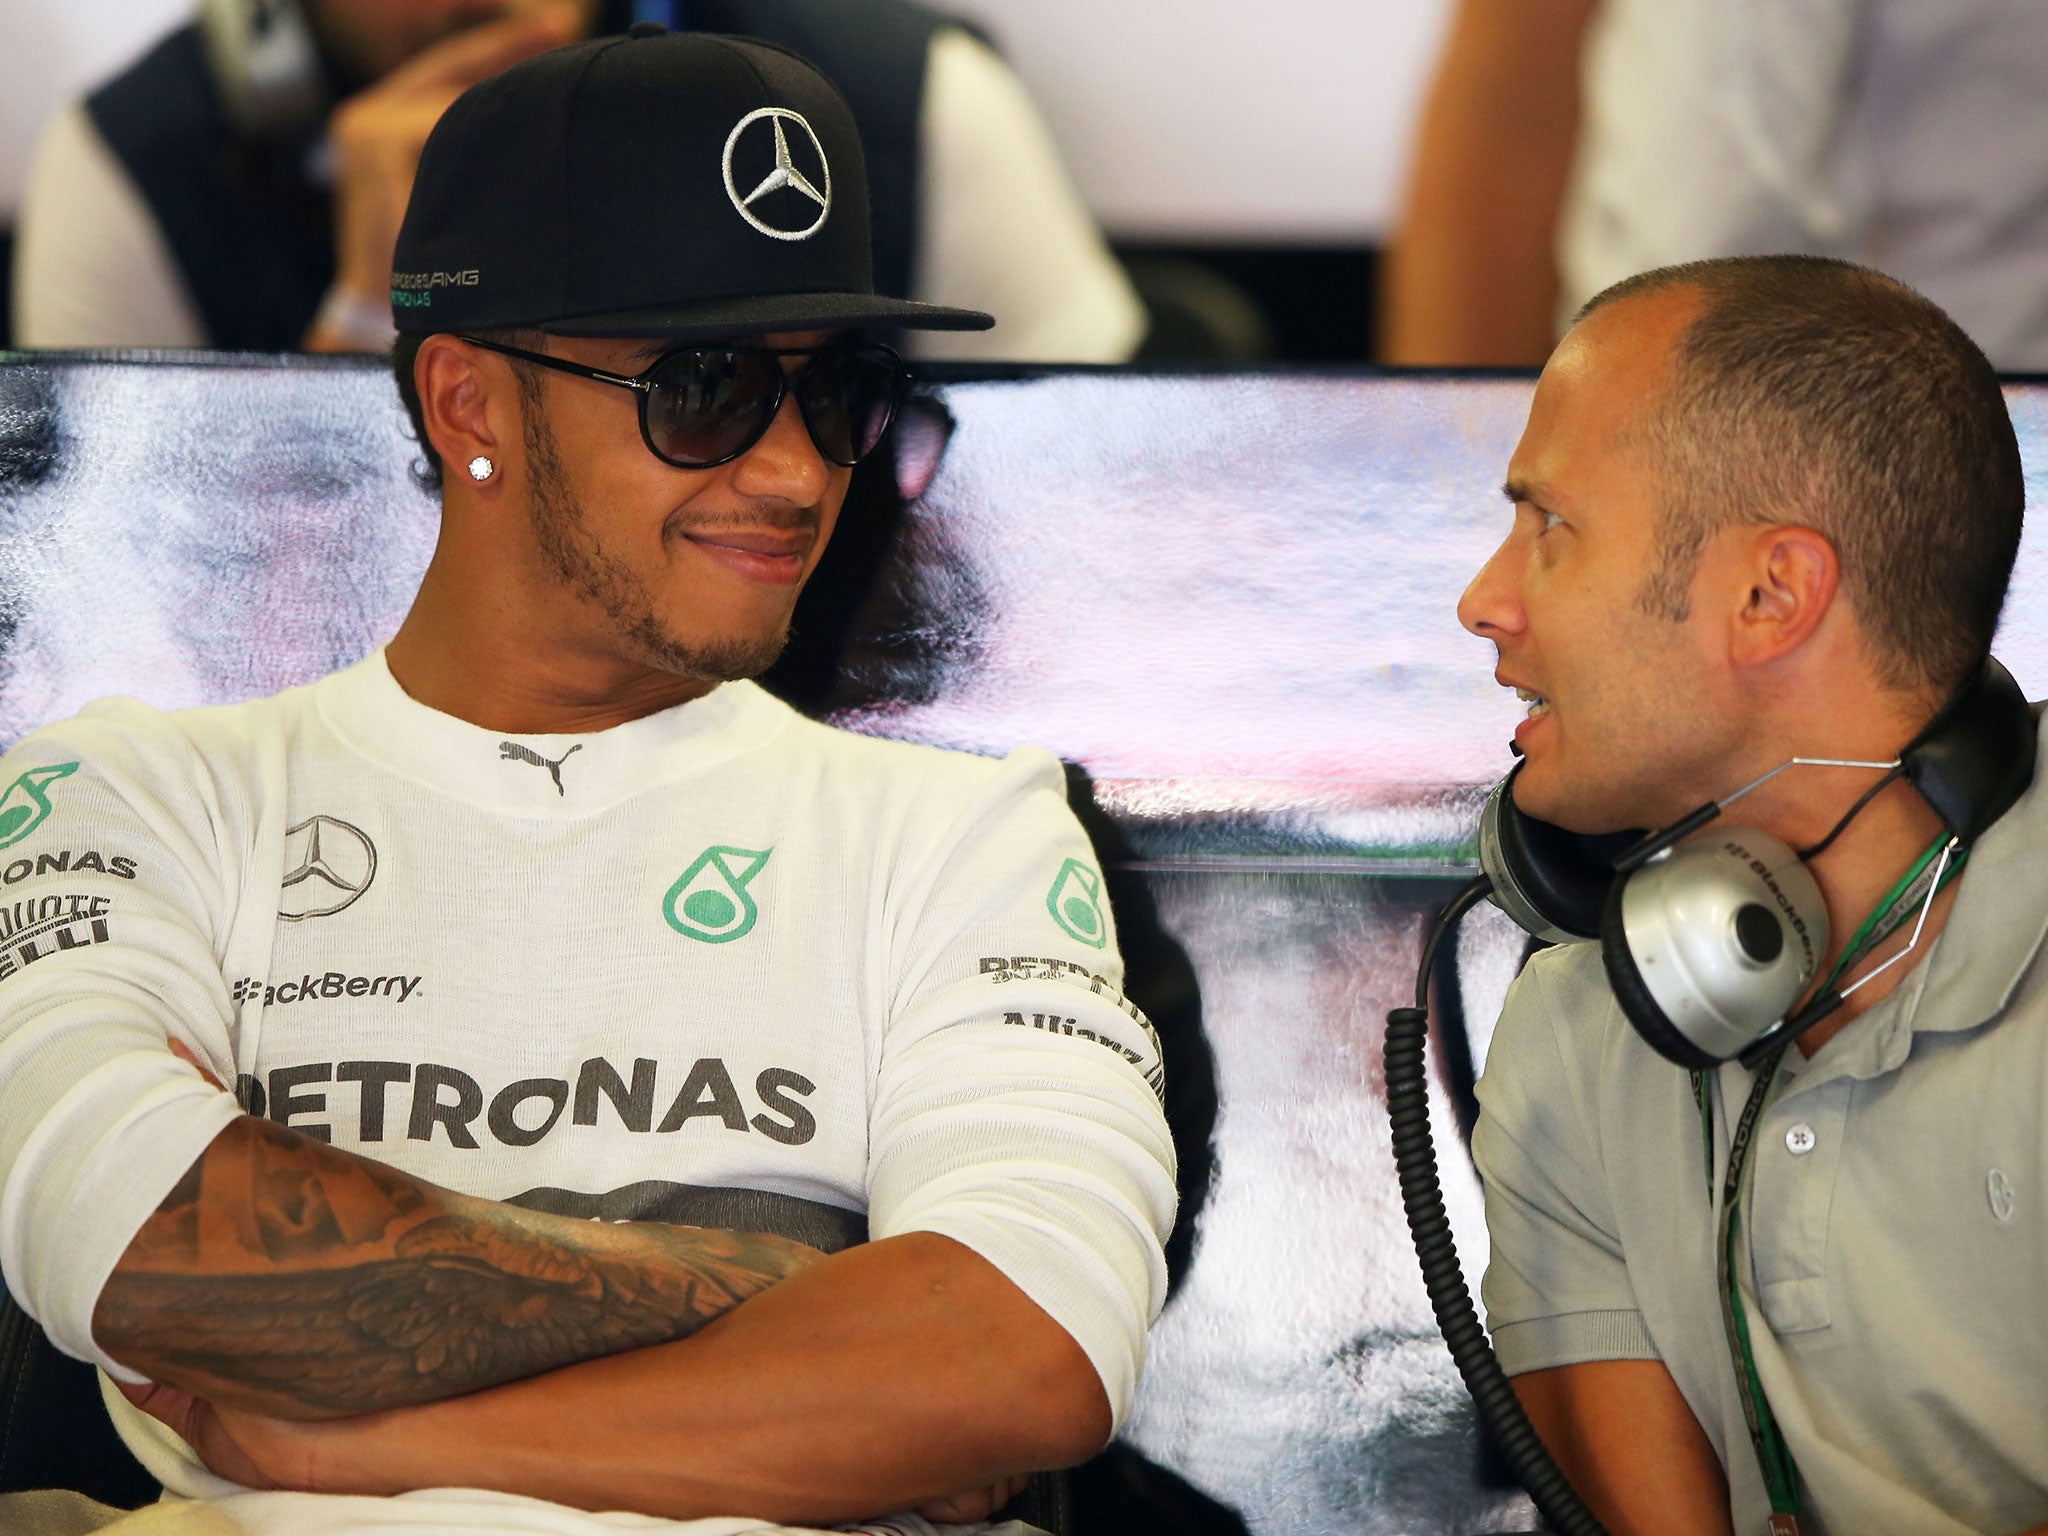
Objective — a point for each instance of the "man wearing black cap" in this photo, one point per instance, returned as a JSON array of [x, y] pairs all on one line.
[[578, 994]]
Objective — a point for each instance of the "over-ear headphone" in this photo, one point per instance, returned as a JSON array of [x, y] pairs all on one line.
[[1707, 946]]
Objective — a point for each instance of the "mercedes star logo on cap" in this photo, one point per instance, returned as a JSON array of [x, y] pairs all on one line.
[[786, 177], [328, 864], [534, 205]]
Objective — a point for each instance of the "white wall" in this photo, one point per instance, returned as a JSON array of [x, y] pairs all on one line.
[[1267, 121], [1273, 122], [50, 52]]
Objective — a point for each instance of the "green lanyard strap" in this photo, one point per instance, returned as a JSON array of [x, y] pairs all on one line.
[[1890, 915], [1773, 1455]]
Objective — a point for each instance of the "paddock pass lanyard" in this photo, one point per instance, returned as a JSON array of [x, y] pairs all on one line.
[[1773, 1455]]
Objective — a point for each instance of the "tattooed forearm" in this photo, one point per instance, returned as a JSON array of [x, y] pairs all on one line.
[[261, 1194], [289, 1278]]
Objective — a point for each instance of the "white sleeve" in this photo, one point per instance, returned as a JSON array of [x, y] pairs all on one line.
[[1003, 229], [1018, 1106], [92, 268], [113, 920]]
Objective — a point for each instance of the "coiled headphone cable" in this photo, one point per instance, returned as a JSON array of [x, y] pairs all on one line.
[[1422, 1197]]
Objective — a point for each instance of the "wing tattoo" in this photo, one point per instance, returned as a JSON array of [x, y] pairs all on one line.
[[292, 1279]]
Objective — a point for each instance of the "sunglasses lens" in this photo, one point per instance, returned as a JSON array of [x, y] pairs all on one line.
[[708, 405], [848, 398]]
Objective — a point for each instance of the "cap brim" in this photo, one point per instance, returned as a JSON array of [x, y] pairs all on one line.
[[762, 314]]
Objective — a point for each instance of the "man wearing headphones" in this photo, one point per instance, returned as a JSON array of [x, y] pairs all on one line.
[[1765, 509], [643, 1104], [240, 186]]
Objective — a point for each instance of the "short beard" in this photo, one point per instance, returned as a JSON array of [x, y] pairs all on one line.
[[562, 534]]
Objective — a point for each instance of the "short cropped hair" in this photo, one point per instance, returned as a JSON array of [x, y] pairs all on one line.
[[1819, 392]]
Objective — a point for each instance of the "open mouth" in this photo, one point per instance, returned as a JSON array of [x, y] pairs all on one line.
[[1538, 704]]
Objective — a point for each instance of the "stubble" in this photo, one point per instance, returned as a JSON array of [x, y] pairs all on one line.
[[597, 577]]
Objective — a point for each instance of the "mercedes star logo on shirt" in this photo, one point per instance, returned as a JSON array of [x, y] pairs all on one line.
[[327, 865], [788, 177]]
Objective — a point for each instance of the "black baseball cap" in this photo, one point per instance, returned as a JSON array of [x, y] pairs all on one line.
[[672, 184]]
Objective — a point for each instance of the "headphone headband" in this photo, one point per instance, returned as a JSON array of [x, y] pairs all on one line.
[[1975, 758]]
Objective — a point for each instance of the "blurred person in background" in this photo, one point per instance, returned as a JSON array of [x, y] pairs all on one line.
[[241, 186], [1567, 144]]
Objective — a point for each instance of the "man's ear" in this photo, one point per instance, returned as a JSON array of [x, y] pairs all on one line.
[[1794, 575], [468, 402]]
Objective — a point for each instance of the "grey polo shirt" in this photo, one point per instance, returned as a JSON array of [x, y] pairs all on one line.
[[1896, 1251]]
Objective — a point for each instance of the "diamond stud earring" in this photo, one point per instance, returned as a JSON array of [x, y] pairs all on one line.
[[481, 468]]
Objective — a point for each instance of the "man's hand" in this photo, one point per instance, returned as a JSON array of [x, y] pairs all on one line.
[[266, 1453], [377, 136], [812, 1412], [976, 1505], [212, 1436]]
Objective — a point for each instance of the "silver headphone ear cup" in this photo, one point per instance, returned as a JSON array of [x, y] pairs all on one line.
[[1709, 946], [1638, 1004]]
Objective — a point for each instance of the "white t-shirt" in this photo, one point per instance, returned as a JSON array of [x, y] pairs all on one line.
[[719, 966], [1903, 134], [1001, 230]]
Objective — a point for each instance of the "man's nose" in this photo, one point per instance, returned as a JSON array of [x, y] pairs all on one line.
[[1491, 606], [785, 464]]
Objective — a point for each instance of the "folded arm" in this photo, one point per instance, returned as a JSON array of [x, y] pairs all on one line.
[[1020, 1182], [289, 1278], [884, 1377]]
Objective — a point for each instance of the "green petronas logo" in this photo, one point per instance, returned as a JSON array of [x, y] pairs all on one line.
[[1075, 902], [24, 806], [710, 902]]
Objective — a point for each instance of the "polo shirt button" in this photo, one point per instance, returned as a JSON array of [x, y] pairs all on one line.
[[1800, 1140]]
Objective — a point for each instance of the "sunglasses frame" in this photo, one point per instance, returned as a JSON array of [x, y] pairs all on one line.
[[643, 385]]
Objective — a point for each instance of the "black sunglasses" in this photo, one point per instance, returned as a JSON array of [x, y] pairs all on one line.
[[705, 406]]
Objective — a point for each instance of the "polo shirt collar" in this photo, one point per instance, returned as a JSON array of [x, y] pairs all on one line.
[[1994, 930]]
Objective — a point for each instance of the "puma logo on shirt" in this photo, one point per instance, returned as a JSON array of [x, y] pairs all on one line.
[[513, 752]]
